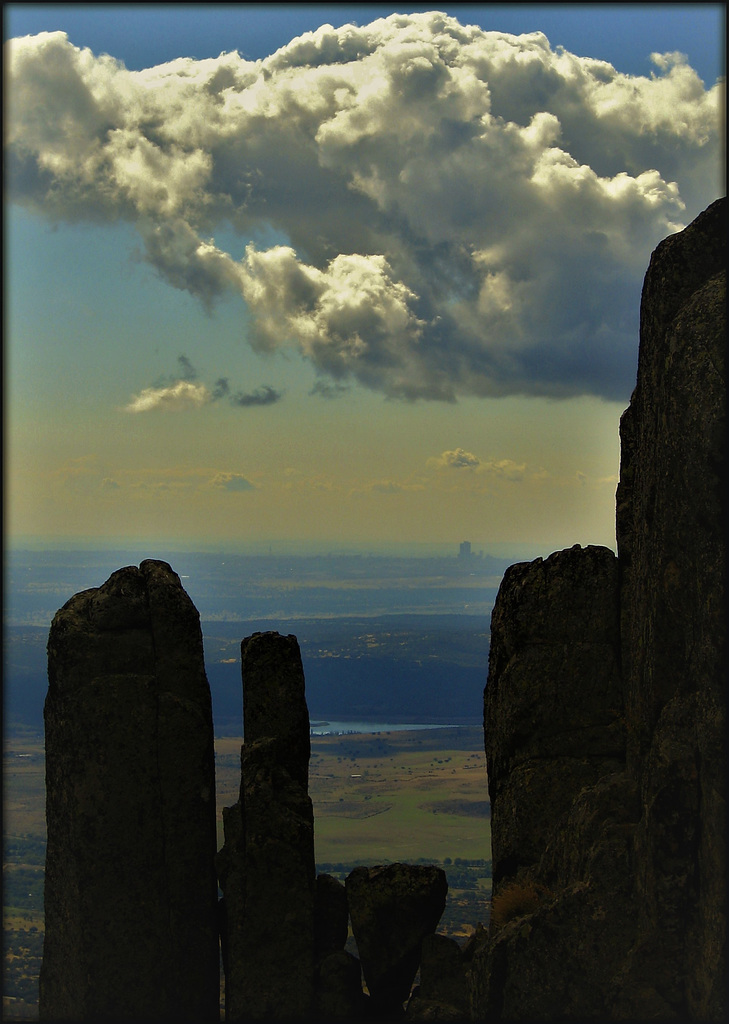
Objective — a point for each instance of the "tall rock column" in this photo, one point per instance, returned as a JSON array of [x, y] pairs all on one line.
[[623, 914], [560, 802], [130, 890], [553, 702], [671, 530], [266, 867]]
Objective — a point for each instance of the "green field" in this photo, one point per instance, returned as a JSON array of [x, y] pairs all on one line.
[[389, 796]]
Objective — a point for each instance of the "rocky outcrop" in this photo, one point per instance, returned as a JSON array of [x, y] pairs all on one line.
[[607, 770], [130, 890], [331, 916], [392, 909], [338, 992], [553, 706], [266, 867], [284, 930], [443, 992], [671, 530], [554, 730], [338, 975]]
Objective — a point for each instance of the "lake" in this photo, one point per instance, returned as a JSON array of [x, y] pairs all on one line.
[[348, 728]]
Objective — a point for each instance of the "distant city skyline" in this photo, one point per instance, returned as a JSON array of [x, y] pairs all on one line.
[[371, 286]]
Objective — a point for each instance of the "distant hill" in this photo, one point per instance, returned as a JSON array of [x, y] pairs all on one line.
[[417, 668], [381, 636]]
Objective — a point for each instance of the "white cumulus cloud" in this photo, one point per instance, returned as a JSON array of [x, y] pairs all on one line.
[[465, 212], [456, 459], [183, 394]]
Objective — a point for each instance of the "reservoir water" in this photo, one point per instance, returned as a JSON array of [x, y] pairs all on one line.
[[349, 728]]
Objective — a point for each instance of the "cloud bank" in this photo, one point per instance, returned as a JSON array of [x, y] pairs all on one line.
[[460, 459], [460, 212]]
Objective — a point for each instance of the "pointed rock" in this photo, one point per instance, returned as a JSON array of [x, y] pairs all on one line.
[[130, 892]]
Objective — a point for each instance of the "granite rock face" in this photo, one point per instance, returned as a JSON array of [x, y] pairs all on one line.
[[130, 888], [443, 993], [609, 858], [554, 653], [671, 529], [266, 867], [331, 916], [392, 909], [338, 990]]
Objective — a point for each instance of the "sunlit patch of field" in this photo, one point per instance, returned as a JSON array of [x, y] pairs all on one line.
[[24, 787], [389, 796], [425, 797]]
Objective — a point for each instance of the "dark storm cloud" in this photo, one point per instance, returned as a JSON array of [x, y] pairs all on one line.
[[261, 396], [221, 389]]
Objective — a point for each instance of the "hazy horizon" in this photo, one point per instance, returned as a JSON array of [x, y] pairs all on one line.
[[303, 548]]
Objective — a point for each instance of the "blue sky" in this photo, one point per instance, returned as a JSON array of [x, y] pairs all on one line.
[[146, 34], [377, 288]]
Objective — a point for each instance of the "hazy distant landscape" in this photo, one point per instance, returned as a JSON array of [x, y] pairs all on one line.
[[382, 638], [385, 641]]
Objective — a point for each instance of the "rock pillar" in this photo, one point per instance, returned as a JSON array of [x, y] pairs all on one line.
[[553, 703], [266, 867], [672, 532], [617, 904], [130, 891]]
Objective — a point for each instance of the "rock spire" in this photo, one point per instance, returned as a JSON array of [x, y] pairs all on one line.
[[130, 889]]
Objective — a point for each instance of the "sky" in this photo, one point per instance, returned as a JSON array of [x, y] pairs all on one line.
[[332, 277]]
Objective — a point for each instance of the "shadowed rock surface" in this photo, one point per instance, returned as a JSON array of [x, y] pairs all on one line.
[[609, 901], [130, 889], [331, 916], [671, 529], [392, 909], [443, 993], [553, 706], [339, 994], [266, 867]]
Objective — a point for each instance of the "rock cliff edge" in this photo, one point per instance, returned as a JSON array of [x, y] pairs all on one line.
[[605, 707]]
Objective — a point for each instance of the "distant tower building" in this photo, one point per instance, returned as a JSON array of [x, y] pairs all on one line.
[[465, 550]]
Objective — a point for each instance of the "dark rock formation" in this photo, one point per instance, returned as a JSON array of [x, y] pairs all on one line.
[[671, 529], [554, 653], [553, 727], [392, 909], [266, 867], [338, 994], [338, 976], [331, 916], [604, 718], [130, 889], [610, 901], [443, 993], [274, 700]]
